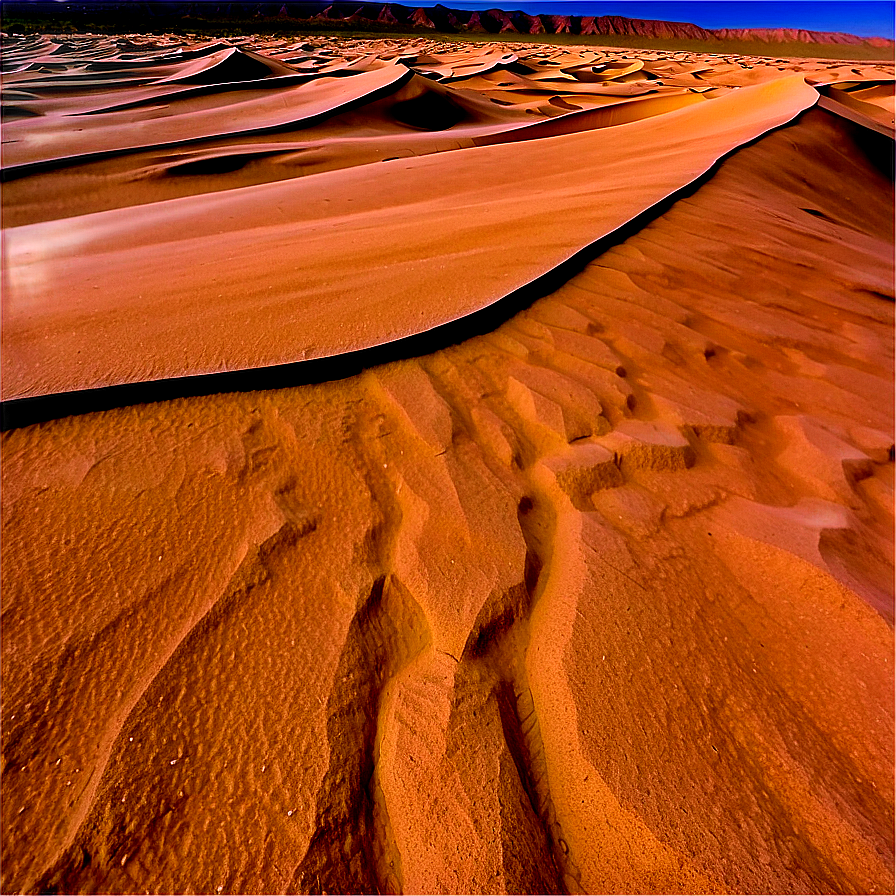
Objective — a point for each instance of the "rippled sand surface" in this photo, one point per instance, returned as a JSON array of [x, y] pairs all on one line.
[[439, 468]]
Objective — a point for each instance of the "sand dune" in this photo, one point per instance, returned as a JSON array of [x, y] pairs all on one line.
[[228, 66], [870, 104], [118, 331], [610, 115], [198, 117], [590, 591]]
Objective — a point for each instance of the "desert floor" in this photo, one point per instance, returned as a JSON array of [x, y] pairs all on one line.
[[444, 468]]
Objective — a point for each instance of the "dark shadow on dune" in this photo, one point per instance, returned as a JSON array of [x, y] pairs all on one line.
[[225, 163], [16, 113], [877, 148], [430, 111], [27, 411]]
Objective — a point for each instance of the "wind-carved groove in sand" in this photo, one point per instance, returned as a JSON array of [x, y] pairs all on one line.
[[352, 850], [497, 648], [72, 867], [491, 669]]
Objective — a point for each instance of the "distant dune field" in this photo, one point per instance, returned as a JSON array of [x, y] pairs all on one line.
[[441, 467]]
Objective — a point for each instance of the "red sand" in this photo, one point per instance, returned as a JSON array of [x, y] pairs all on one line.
[[600, 601]]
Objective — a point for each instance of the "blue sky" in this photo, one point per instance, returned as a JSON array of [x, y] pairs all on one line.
[[867, 18]]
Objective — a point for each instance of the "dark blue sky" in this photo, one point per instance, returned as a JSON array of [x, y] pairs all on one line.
[[867, 18]]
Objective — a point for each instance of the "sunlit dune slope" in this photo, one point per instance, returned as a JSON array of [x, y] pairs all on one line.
[[364, 261]]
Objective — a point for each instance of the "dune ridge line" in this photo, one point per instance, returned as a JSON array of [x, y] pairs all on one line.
[[333, 303]]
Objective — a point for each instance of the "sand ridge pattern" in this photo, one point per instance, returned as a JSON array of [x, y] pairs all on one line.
[[111, 331], [599, 599]]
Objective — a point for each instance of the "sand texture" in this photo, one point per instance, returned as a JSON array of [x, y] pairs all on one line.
[[571, 569]]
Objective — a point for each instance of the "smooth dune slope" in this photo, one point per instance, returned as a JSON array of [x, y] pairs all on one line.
[[199, 117], [345, 260], [600, 601]]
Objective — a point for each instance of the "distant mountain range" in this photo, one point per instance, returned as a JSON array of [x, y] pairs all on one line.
[[382, 16]]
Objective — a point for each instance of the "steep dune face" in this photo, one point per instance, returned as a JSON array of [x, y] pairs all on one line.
[[595, 598]]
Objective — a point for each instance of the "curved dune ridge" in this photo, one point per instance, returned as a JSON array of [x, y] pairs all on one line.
[[120, 325], [569, 570], [870, 104], [114, 328], [269, 114]]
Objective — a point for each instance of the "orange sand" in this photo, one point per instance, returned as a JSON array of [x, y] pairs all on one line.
[[599, 601]]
